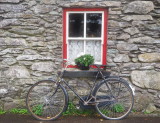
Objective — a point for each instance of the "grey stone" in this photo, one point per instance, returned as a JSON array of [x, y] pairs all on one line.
[[34, 57], [12, 42], [142, 100], [38, 44], [158, 1], [143, 40], [9, 61], [132, 30], [149, 57], [131, 66], [10, 1], [29, 52], [11, 51], [90, 4], [121, 58], [139, 7], [17, 72], [137, 17], [7, 22], [146, 79], [43, 66], [150, 108], [112, 23], [12, 7], [30, 32], [3, 91], [123, 36], [9, 105], [42, 9], [126, 47], [49, 2]]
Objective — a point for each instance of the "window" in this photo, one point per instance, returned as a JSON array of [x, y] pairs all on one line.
[[85, 32]]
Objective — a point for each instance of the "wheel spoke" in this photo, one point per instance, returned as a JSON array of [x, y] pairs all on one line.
[[120, 99], [44, 103]]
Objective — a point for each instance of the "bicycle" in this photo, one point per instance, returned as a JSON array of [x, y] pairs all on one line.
[[112, 97]]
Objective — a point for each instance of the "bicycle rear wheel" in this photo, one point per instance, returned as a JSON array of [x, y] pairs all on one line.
[[46, 101], [114, 99]]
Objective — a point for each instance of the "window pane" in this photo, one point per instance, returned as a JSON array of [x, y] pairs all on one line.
[[76, 25], [94, 23], [94, 48], [76, 48]]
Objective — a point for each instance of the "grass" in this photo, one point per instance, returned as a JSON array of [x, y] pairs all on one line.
[[118, 108], [2, 111], [72, 110], [18, 111]]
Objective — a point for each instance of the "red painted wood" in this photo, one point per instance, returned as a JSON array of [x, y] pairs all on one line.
[[64, 35], [104, 53]]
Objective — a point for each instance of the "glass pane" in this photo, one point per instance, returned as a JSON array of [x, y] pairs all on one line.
[[76, 25], [94, 48], [94, 24], [76, 49]]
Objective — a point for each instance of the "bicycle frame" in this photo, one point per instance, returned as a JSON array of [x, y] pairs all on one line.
[[89, 96]]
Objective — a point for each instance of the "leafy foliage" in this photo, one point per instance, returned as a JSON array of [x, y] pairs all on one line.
[[2, 111], [18, 111], [118, 108], [72, 110], [38, 109], [86, 60]]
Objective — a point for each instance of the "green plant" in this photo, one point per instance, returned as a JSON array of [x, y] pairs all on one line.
[[18, 111], [38, 109], [85, 60], [72, 110], [147, 112], [2, 111], [118, 108]]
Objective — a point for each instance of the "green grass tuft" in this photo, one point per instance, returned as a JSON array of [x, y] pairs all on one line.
[[72, 110]]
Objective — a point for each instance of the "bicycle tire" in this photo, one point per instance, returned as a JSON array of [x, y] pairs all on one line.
[[114, 103], [47, 101]]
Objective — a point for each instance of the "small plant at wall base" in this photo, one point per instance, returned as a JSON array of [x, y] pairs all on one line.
[[84, 61], [2, 111]]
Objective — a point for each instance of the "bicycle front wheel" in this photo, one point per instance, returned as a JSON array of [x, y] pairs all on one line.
[[46, 101], [114, 99]]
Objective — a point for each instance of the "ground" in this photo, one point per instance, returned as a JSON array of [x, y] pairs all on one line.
[[12, 118]]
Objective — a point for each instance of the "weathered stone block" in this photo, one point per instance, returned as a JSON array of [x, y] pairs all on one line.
[[146, 79], [48, 1], [43, 66], [150, 108], [139, 7], [132, 30], [9, 61], [34, 57], [149, 57], [12, 42], [7, 22], [31, 32], [42, 9], [10, 1], [143, 40], [12, 7], [137, 17], [121, 58], [127, 47], [17, 72], [10, 50], [123, 36]]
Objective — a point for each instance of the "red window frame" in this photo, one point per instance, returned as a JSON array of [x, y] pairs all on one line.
[[104, 51]]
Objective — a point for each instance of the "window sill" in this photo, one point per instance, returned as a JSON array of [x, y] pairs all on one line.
[[84, 73]]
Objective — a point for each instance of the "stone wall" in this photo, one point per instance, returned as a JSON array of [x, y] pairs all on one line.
[[31, 45]]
